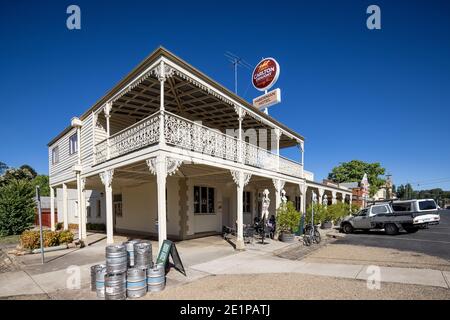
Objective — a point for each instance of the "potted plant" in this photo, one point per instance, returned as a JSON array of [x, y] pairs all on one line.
[[327, 217], [287, 221], [319, 212]]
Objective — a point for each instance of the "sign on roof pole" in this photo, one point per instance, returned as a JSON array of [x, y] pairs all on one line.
[[264, 76]]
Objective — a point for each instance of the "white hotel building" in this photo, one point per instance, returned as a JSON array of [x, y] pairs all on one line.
[[157, 148]]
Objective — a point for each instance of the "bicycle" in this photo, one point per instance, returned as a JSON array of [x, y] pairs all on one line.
[[311, 235]]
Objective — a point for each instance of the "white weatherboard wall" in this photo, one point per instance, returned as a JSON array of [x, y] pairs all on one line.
[[140, 210], [63, 169], [92, 197], [86, 137]]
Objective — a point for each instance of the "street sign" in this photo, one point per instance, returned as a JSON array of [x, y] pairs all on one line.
[[38, 199], [265, 74], [168, 247], [268, 99], [163, 254]]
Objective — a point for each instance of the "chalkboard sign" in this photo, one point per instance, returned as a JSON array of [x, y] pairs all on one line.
[[177, 264], [168, 247], [163, 255]]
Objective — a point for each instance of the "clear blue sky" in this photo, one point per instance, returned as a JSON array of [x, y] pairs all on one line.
[[353, 93]]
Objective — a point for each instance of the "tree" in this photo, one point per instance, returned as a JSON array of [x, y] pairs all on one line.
[[43, 183], [400, 192], [354, 170], [30, 170], [406, 192], [17, 207], [15, 174], [3, 168]]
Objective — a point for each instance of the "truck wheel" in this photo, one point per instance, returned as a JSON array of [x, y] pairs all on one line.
[[391, 229], [411, 229], [347, 228]]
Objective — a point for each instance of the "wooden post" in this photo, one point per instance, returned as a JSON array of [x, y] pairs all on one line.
[[52, 208], [161, 175], [106, 178], [64, 205]]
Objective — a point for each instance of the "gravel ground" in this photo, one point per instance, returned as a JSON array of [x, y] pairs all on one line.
[[294, 286], [269, 287], [6, 264], [353, 254], [272, 287]]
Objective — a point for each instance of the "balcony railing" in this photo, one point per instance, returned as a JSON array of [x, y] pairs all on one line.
[[141, 134], [192, 136]]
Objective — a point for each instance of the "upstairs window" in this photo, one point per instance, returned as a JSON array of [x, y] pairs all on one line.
[[55, 155], [73, 144]]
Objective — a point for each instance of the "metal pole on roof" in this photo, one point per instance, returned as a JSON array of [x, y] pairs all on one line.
[[237, 61], [38, 199]]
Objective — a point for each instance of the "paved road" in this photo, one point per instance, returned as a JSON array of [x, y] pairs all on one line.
[[434, 241]]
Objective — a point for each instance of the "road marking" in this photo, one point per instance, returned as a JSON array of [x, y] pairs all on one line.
[[439, 232], [375, 261], [445, 279], [396, 238], [362, 268]]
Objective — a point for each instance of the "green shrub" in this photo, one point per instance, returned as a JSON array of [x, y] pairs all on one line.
[[287, 218], [30, 239], [73, 226], [65, 236], [320, 212], [59, 226], [17, 207], [338, 211], [51, 238], [354, 209]]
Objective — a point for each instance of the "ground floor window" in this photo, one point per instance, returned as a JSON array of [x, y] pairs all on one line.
[[246, 202], [298, 203], [99, 208], [204, 199], [75, 209], [117, 205]]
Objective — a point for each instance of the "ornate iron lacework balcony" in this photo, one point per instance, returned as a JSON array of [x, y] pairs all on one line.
[[191, 136]]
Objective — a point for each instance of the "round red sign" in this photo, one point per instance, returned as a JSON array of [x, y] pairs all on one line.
[[265, 74]]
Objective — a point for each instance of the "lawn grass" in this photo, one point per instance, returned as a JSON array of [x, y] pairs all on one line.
[[9, 240]]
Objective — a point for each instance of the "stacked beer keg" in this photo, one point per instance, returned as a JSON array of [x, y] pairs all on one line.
[[129, 272]]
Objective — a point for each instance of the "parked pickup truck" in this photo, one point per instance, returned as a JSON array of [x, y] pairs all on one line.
[[383, 216], [425, 210]]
